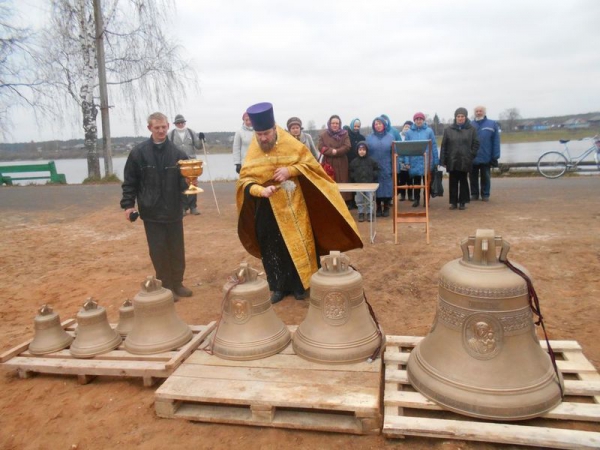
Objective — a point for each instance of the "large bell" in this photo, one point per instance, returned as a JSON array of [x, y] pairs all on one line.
[[482, 357], [94, 334], [156, 326], [338, 327], [249, 328], [125, 318], [50, 336]]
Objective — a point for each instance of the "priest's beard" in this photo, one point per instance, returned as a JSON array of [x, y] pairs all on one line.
[[269, 145]]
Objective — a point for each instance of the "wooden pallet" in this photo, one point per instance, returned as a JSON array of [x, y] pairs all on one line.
[[117, 363], [582, 403], [281, 391]]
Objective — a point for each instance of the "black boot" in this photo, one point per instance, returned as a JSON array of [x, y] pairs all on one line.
[[416, 202]]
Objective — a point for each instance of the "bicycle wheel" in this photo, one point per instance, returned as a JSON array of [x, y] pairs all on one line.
[[552, 164]]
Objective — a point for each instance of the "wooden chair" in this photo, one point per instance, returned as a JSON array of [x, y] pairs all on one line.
[[411, 148]]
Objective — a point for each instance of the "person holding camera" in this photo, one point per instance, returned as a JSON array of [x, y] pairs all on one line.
[[152, 179], [487, 155]]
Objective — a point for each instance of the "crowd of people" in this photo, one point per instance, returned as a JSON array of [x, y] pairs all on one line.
[[290, 211], [468, 151]]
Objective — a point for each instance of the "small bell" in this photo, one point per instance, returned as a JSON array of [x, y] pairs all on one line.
[[156, 326], [338, 328], [49, 334], [249, 328], [125, 318], [94, 334]]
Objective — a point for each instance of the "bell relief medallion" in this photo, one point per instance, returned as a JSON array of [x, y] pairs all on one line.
[[482, 336], [336, 308]]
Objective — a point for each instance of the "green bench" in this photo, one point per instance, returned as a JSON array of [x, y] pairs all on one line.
[[49, 167]]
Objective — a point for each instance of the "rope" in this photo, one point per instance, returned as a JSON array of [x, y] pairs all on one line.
[[534, 304]]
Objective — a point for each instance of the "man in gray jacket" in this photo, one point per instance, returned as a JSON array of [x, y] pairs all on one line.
[[186, 140]]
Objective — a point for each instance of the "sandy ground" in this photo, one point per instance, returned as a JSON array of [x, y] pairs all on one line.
[[62, 244]]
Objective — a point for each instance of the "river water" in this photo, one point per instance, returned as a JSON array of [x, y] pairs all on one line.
[[220, 166]]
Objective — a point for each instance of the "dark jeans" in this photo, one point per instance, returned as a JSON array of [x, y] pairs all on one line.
[[403, 180], [165, 242], [459, 187], [480, 172], [189, 201], [417, 192]]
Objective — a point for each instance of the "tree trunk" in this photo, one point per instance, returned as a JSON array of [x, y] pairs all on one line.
[[86, 93]]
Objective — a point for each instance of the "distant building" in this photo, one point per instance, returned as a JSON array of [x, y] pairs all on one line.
[[576, 123]]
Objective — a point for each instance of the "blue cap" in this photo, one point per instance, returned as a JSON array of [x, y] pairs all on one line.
[[261, 116]]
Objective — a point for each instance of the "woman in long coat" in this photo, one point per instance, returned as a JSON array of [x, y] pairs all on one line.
[[459, 148], [334, 144], [380, 149]]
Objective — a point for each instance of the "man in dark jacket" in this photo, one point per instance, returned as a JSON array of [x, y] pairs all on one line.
[[152, 178], [487, 155]]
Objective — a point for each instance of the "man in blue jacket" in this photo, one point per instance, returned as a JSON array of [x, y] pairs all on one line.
[[487, 156]]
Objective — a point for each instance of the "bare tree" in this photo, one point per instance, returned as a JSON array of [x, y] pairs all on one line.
[[143, 65], [18, 85], [510, 117]]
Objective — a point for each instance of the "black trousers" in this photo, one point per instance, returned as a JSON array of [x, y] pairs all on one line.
[[459, 187], [403, 180], [167, 252], [418, 179], [189, 201]]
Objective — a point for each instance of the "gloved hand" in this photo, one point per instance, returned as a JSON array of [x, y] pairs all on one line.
[[201, 136], [238, 167], [494, 163]]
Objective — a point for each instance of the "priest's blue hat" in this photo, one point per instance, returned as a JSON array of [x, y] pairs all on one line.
[[261, 116]]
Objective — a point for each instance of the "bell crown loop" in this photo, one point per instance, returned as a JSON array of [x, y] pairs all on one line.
[[151, 284], [90, 304], [244, 274], [45, 310], [482, 249], [335, 262]]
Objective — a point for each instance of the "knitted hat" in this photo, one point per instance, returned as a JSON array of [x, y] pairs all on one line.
[[409, 123], [419, 115], [261, 116], [462, 111], [179, 119], [293, 121]]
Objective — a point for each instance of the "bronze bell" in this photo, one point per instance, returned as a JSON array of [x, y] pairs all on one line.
[[249, 328], [338, 327], [49, 334], [125, 318], [156, 325], [482, 357], [94, 334]]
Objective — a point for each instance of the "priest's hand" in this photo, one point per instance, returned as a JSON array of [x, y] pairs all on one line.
[[268, 191], [281, 174]]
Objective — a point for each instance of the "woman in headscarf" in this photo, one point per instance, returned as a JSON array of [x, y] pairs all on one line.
[[355, 137], [458, 150], [380, 145], [334, 144], [294, 126], [241, 141]]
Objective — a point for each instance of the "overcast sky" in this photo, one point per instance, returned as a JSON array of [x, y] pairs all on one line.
[[353, 58]]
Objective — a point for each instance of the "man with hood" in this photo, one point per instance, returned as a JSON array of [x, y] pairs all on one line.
[[419, 131], [290, 212]]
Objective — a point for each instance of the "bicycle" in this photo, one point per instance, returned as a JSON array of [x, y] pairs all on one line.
[[555, 164]]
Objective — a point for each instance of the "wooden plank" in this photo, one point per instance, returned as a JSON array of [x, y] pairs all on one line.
[[298, 420], [494, 432], [403, 341], [396, 358], [301, 377], [287, 361], [280, 394], [25, 345], [188, 348]]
